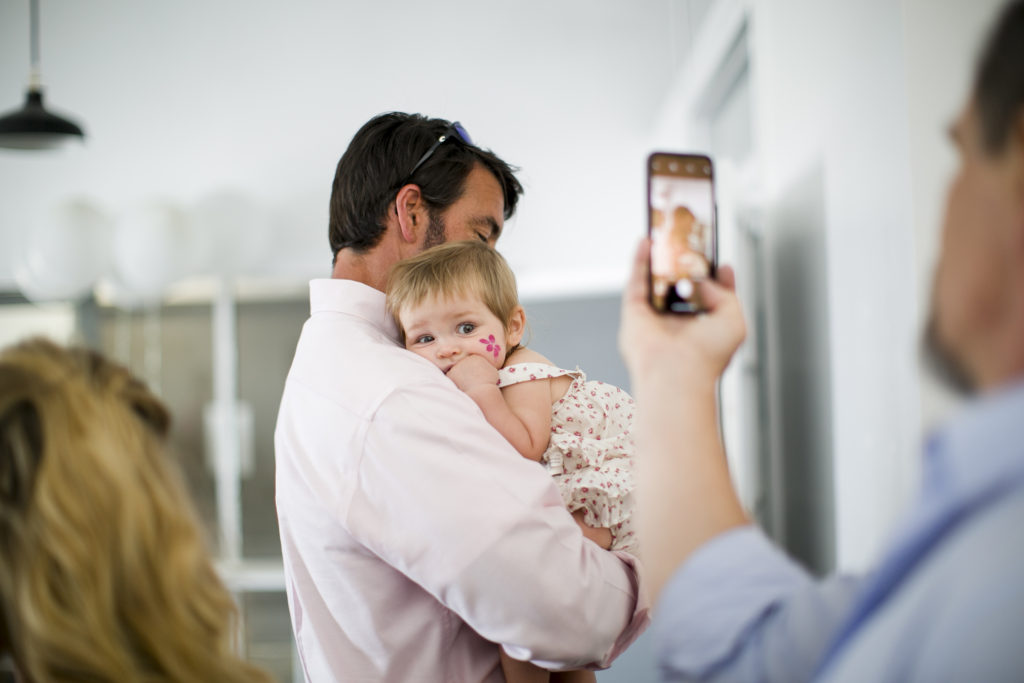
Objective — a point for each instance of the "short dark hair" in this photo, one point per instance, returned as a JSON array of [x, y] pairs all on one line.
[[999, 82], [377, 164]]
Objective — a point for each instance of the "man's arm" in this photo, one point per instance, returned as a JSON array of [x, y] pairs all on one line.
[[741, 610], [685, 495], [447, 501], [732, 607]]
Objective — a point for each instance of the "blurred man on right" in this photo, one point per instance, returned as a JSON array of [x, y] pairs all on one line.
[[946, 601]]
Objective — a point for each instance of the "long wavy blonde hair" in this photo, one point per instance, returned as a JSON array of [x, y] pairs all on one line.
[[105, 574]]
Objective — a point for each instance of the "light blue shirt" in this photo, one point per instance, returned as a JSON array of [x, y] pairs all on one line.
[[946, 602]]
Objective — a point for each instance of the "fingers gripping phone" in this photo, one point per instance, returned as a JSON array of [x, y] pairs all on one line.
[[682, 227]]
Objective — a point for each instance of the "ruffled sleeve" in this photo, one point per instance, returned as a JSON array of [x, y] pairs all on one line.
[[528, 372]]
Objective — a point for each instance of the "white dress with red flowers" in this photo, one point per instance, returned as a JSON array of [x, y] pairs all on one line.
[[590, 454]]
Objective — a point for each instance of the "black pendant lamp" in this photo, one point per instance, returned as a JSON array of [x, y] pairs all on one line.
[[32, 126]]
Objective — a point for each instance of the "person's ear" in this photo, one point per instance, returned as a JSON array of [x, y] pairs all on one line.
[[410, 210], [516, 326]]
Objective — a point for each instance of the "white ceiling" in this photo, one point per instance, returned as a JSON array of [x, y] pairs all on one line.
[[184, 100]]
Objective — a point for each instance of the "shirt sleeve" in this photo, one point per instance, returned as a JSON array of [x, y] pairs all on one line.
[[447, 501], [741, 610]]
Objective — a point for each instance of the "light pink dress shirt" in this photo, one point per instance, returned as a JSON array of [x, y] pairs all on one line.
[[414, 536]]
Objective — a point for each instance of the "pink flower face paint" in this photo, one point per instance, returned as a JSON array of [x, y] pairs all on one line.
[[492, 345]]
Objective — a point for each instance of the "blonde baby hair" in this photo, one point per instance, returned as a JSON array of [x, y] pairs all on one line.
[[454, 269]]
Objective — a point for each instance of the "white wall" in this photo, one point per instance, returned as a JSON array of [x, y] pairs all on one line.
[[181, 100], [868, 89], [872, 299], [855, 96]]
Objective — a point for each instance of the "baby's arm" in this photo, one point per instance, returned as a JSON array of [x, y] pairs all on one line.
[[520, 412]]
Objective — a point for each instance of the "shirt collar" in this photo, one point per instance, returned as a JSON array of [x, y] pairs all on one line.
[[980, 447], [352, 298]]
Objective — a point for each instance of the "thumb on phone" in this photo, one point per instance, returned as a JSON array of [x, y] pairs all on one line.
[[714, 291]]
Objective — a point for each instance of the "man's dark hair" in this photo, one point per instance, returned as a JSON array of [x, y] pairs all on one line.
[[999, 83], [377, 164]]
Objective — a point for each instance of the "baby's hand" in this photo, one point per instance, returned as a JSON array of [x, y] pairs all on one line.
[[473, 371]]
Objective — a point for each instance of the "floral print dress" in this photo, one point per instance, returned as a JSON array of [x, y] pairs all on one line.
[[590, 454]]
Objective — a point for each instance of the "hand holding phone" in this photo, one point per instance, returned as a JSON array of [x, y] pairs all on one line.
[[682, 228]]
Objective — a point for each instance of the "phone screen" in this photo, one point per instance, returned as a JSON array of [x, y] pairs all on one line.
[[681, 225]]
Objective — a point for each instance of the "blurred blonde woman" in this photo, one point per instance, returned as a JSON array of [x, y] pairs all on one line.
[[105, 574]]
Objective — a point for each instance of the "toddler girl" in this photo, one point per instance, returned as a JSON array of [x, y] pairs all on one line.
[[457, 306]]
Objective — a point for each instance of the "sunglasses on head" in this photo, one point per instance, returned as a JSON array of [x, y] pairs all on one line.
[[454, 129]]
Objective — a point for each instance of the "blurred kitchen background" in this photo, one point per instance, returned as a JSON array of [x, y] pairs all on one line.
[[179, 236]]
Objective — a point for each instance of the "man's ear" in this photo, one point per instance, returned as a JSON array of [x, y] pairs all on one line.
[[516, 326], [411, 213]]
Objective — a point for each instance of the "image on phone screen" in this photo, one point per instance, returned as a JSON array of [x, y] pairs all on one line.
[[682, 213]]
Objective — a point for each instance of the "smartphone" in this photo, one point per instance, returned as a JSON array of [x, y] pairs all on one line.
[[681, 223]]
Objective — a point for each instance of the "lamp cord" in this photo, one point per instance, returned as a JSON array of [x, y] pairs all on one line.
[[34, 76]]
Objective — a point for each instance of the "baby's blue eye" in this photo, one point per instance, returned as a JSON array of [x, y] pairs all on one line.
[[465, 328], [424, 339]]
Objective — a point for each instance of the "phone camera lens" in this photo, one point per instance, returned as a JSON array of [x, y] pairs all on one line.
[[707, 169], [689, 167], [673, 166]]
